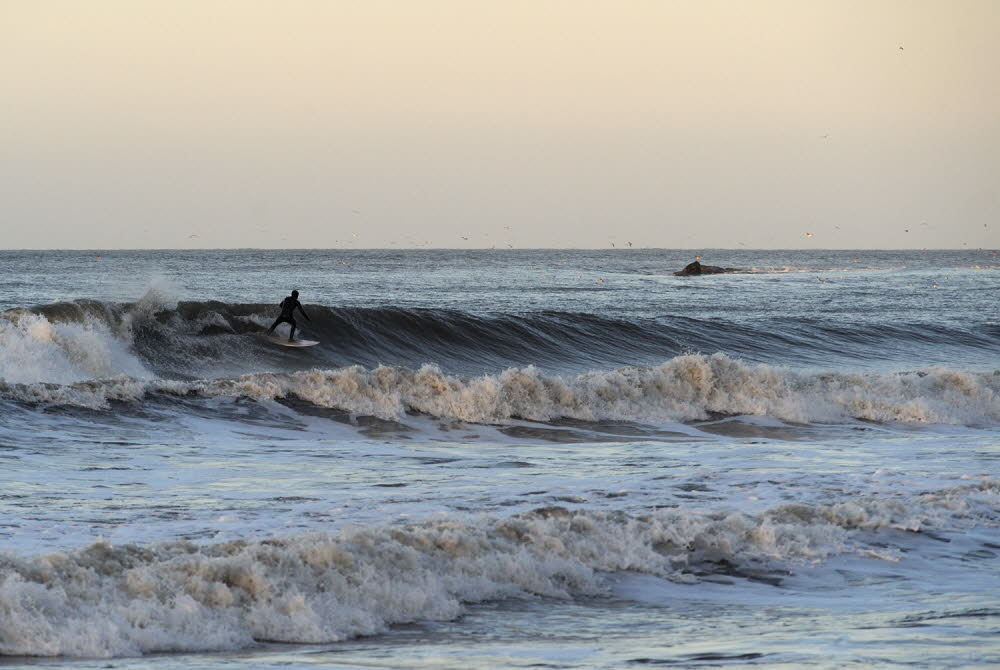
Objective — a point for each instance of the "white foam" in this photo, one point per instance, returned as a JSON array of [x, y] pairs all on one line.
[[33, 350], [109, 601], [684, 388]]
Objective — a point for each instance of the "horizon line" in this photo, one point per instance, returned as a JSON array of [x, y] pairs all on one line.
[[509, 249]]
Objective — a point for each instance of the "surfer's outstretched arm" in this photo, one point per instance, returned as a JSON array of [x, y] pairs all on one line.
[[303, 312]]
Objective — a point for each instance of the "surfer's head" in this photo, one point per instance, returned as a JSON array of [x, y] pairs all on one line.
[[295, 294]]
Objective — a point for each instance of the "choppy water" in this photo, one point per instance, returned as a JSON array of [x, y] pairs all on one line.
[[500, 459]]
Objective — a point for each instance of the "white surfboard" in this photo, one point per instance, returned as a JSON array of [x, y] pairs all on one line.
[[283, 341]]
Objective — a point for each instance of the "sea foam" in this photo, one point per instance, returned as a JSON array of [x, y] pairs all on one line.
[[685, 388], [106, 601]]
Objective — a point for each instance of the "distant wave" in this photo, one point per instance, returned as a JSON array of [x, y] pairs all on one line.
[[157, 337], [108, 601], [684, 388]]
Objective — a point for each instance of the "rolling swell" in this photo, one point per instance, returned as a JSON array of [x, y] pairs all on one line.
[[197, 340]]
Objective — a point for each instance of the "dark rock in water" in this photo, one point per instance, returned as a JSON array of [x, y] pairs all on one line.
[[697, 268]]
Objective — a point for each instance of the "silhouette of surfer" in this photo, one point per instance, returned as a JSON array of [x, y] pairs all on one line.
[[288, 307]]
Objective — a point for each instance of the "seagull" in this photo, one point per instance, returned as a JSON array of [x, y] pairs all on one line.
[[809, 234], [612, 244], [190, 236], [630, 244]]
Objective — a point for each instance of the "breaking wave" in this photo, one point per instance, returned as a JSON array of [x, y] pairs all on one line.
[[683, 388], [388, 362], [160, 336], [105, 601]]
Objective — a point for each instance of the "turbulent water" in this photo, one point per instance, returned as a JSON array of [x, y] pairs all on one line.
[[500, 459]]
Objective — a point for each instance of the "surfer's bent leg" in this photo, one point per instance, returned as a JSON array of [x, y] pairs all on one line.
[[291, 335], [274, 325]]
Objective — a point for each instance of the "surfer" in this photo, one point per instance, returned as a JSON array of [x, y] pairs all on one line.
[[288, 307]]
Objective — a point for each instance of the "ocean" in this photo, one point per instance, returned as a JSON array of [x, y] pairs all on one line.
[[500, 459]]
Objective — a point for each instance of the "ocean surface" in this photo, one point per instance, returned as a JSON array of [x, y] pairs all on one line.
[[500, 459]]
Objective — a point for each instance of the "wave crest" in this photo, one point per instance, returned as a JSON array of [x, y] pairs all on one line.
[[186, 340]]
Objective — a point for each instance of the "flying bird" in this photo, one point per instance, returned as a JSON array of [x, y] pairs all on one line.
[[809, 234]]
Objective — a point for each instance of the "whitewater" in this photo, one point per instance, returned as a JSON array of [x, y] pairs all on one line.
[[542, 458]]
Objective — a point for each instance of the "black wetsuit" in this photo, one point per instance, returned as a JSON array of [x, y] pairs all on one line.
[[288, 307]]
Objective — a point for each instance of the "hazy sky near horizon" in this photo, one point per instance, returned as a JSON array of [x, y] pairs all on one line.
[[531, 123]]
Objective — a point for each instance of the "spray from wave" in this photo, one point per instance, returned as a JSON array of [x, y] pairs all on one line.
[[32, 348]]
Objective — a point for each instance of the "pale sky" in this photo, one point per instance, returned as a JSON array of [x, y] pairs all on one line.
[[534, 123]]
